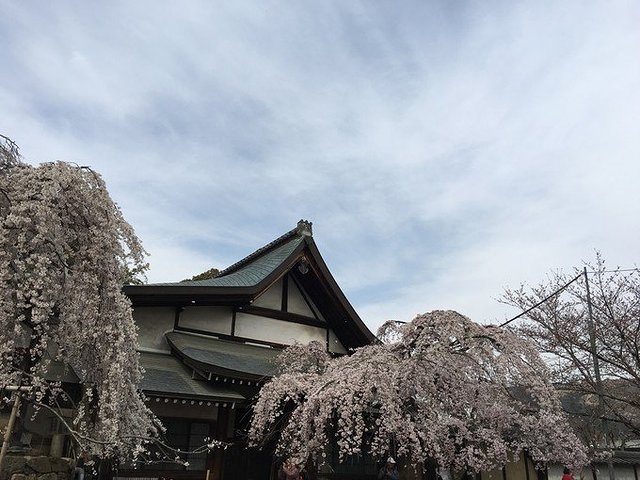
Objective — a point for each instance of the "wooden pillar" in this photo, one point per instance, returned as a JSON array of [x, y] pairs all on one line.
[[215, 460], [9, 427], [543, 474]]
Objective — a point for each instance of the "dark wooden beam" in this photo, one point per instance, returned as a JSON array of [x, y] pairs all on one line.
[[223, 336], [203, 300], [285, 293], [286, 316]]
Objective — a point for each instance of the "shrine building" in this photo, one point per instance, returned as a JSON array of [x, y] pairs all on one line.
[[208, 346]]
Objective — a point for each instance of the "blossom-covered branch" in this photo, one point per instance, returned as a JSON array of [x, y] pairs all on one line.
[[139, 445], [465, 395], [65, 251], [562, 329]]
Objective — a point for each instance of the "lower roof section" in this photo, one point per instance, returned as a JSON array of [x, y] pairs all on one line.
[[166, 376], [224, 358], [60, 372]]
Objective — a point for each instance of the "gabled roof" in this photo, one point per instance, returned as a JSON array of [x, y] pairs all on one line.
[[243, 281]]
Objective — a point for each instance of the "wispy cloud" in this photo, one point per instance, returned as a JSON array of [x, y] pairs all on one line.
[[444, 150]]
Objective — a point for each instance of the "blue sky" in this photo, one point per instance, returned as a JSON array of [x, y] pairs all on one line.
[[443, 150]]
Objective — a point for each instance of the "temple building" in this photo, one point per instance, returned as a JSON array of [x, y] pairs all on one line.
[[207, 346]]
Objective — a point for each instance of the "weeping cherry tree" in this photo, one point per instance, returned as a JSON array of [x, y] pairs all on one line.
[[65, 252], [441, 388]]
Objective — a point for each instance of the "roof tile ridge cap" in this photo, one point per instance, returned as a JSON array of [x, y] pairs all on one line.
[[262, 250]]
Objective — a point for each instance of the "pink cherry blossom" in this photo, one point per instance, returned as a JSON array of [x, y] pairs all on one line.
[[468, 396], [65, 251]]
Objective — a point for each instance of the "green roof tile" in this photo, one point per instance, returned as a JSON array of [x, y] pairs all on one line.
[[229, 356], [252, 272], [165, 374]]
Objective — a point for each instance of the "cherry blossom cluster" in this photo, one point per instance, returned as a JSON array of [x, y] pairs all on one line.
[[469, 396], [65, 252]]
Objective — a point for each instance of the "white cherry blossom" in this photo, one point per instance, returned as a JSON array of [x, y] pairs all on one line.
[[65, 252], [468, 396]]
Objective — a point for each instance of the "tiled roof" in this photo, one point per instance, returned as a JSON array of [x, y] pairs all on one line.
[[626, 457], [278, 241], [252, 269], [221, 355], [165, 374]]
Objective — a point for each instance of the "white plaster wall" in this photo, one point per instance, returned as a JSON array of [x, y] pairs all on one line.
[[153, 323], [277, 331], [554, 472], [518, 470], [209, 319], [622, 472], [271, 298], [514, 471], [296, 302], [335, 346]]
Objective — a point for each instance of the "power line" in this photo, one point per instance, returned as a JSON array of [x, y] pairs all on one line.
[[542, 301], [636, 269]]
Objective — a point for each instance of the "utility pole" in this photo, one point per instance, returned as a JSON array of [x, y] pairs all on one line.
[[596, 371], [12, 419]]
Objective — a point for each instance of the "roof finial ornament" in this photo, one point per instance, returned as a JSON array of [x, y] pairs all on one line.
[[304, 228]]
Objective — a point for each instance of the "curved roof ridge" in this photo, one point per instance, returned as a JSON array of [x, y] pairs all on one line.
[[262, 250], [303, 228], [251, 272]]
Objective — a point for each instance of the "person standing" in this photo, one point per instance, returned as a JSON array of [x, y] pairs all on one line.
[[389, 471], [566, 474]]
